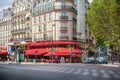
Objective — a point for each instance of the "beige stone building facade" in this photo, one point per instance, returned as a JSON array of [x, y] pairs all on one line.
[[21, 21], [5, 29], [54, 19]]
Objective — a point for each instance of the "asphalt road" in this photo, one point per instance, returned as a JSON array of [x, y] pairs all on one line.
[[58, 72]]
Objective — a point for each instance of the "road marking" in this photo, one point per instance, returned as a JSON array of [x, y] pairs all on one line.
[[105, 75], [102, 71], [86, 70], [116, 76], [70, 71], [78, 71], [111, 72], [85, 73], [95, 74], [57, 70], [63, 70], [93, 70]]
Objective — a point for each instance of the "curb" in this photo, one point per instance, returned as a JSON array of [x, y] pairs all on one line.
[[110, 65]]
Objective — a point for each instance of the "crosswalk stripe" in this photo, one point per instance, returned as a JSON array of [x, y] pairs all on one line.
[[116, 76], [102, 71], [95, 74], [94, 70], [105, 75], [78, 71], [86, 70], [70, 71], [64, 70], [85, 73], [111, 72]]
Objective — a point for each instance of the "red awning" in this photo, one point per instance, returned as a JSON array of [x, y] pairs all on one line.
[[65, 53], [3, 53], [48, 54], [54, 43], [36, 51]]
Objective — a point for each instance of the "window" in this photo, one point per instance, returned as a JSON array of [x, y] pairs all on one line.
[[50, 16], [45, 36], [40, 19], [39, 28], [44, 17], [63, 14], [63, 5], [63, 24], [34, 20], [45, 27]]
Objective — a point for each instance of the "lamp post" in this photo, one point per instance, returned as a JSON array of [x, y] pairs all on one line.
[[70, 54], [52, 41], [36, 55]]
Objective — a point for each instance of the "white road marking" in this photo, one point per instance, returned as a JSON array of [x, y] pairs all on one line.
[[105, 75], [95, 74], [102, 71], [78, 71], [85, 73], [70, 71]]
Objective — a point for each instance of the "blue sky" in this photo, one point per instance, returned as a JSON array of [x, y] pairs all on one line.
[[4, 4]]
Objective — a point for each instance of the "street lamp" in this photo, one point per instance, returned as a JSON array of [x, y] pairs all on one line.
[[52, 41], [36, 51], [70, 54]]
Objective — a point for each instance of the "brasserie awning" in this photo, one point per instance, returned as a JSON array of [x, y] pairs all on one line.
[[54, 43], [3, 53], [35, 51]]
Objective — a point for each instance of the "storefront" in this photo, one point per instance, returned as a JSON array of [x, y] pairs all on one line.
[[3, 53], [54, 51], [17, 51]]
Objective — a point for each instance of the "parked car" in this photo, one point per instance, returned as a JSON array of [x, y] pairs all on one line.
[[101, 60], [90, 60]]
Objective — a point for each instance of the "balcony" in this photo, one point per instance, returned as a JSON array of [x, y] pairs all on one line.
[[58, 8], [21, 12], [27, 39], [20, 30], [38, 39], [63, 28], [63, 17], [66, 0], [63, 37]]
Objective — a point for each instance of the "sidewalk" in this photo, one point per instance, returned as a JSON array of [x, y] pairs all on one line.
[[116, 64]]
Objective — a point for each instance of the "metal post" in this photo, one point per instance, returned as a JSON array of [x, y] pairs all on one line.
[[70, 54]]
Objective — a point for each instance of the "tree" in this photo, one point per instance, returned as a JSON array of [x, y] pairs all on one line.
[[104, 22]]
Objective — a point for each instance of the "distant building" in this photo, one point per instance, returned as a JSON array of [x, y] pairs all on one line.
[[5, 27]]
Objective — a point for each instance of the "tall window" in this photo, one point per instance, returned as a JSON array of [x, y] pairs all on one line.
[[34, 20], [63, 5], [63, 14], [50, 16], [45, 36], [40, 19], [63, 24], [45, 27], [44, 17], [39, 28]]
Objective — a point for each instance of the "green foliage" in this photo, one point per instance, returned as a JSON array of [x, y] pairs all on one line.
[[104, 21]]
